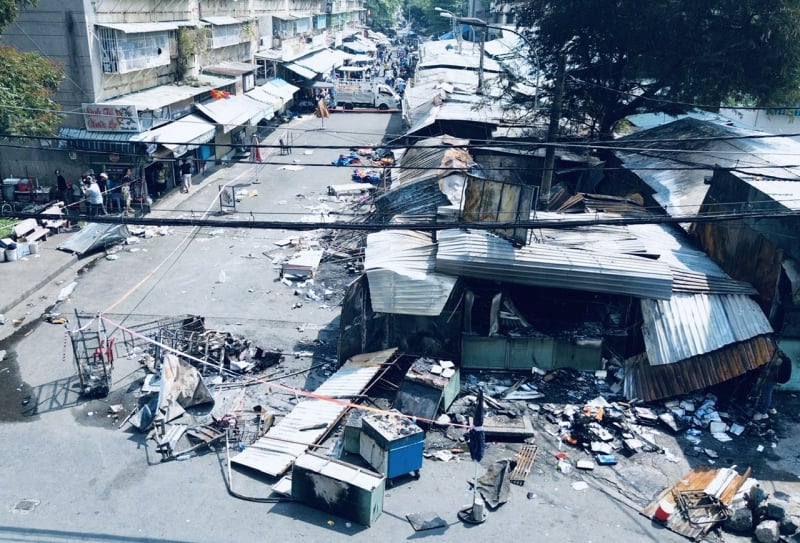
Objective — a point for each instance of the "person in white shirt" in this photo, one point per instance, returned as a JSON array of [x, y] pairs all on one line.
[[94, 198]]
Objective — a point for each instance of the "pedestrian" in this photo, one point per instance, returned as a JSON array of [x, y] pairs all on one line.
[[186, 175], [94, 198], [102, 184], [114, 198], [125, 192], [77, 196], [61, 185], [777, 371]]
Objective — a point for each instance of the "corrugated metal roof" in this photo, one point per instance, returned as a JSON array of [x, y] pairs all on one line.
[[302, 71], [689, 325], [231, 68], [787, 193], [165, 95], [274, 453], [321, 62], [670, 153], [647, 382], [275, 92], [692, 269], [421, 197], [180, 136], [484, 256], [235, 111], [400, 269]]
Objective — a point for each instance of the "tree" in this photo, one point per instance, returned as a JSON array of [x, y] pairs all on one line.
[[383, 13], [27, 82], [629, 56], [9, 9]]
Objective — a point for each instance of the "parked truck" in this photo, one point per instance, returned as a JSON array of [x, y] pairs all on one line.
[[350, 94]]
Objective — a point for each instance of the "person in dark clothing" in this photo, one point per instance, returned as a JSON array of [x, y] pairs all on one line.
[[186, 176], [63, 189]]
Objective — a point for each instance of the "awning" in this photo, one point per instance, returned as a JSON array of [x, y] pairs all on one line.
[[165, 95], [300, 70], [321, 62], [277, 93], [235, 111], [141, 28], [222, 20], [262, 95], [284, 16], [280, 88], [181, 136], [357, 47]]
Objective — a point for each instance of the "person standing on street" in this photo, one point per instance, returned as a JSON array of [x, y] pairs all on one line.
[[63, 189], [186, 175], [94, 198]]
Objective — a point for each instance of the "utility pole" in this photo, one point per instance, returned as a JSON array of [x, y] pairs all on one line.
[[480, 62], [552, 136]]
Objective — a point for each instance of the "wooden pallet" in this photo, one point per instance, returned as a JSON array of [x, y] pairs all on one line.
[[525, 458]]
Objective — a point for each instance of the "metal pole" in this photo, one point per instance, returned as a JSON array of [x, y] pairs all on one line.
[[480, 64], [552, 135]]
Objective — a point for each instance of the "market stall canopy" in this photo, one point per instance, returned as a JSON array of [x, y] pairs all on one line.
[[276, 92], [180, 136], [235, 111]]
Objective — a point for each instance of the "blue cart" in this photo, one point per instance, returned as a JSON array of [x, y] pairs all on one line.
[[392, 445]]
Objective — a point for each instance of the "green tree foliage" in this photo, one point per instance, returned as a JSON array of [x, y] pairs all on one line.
[[424, 15], [628, 56], [27, 81], [9, 9], [383, 13]]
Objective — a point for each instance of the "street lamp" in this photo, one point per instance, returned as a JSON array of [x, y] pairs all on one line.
[[480, 23], [547, 172], [453, 18]]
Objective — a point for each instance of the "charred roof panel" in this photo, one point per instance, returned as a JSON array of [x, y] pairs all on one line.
[[400, 269], [484, 256]]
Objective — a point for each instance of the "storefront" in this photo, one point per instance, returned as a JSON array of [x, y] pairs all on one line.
[[235, 117]]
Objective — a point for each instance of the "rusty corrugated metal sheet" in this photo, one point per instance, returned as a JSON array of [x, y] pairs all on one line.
[[649, 383], [274, 453], [488, 200]]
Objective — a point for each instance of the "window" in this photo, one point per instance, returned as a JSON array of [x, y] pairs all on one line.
[[224, 35], [123, 53]]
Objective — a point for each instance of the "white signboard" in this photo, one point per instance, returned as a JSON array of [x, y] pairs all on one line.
[[111, 118]]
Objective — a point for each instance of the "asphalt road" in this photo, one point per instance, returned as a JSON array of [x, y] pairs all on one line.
[[69, 474]]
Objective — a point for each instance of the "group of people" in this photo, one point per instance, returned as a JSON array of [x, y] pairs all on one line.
[[97, 191], [101, 195]]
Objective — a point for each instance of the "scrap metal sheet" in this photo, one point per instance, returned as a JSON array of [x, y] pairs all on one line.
[[274, 453]]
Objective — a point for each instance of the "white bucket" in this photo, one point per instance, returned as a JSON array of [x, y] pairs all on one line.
[[11, 255], [33, 247]]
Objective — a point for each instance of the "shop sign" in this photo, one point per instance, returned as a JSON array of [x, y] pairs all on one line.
[[110, 118]]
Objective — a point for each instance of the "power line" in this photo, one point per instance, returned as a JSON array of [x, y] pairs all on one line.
[[431, 225]]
